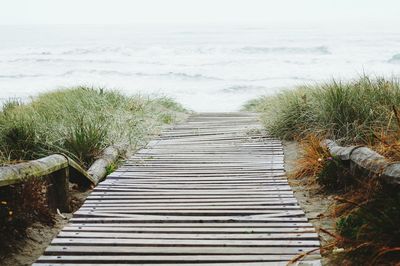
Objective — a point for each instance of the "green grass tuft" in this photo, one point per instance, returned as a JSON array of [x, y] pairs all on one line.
[[346, 111], [81, 122]]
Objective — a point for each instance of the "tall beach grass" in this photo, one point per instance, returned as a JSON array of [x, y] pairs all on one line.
[[80, 122], [363, 111], [350, 112]]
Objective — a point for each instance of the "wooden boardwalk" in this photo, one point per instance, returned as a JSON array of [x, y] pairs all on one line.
[[211, 191]]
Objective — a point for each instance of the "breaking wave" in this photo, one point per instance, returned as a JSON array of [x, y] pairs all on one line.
[[59, 60], [242, 88], [84, 51], [180, 75], [19, 76], [322, 50]]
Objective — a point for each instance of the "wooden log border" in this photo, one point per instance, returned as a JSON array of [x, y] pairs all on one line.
[[367, 160], [98, 170], [57, 166]]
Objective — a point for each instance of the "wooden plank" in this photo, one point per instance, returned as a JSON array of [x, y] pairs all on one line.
[[184, 242], [172, 259], [194, 225], [248, 236], [179, 176], [189, 212], [194, 193], [183, 203], [192, 208], [287, 216], [151, 181], [275, 263], [125, 187], [214, 230], [112, 250], [158, 196]]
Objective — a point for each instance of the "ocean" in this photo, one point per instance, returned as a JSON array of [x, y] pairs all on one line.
[[205, 67]]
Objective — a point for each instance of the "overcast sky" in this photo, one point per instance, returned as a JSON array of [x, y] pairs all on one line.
[[194, 11]]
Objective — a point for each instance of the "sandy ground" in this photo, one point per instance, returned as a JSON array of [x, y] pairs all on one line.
[[39, 236], [315, 205]]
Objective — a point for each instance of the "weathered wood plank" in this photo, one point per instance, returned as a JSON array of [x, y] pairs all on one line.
[[181, 203], [231, 224], [275, 263], [249, 236], [281, 216], [173, 259], [112, 250], [185, 242], [214, 230]]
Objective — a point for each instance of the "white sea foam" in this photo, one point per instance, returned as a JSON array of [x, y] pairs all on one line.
[[285, 50], [395, 59], [207, 68]]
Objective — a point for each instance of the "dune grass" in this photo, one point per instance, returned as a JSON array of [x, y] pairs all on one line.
[[365, 112], [80, 122], [350, 112]]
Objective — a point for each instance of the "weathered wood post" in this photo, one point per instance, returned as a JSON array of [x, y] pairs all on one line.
[[60, 186]]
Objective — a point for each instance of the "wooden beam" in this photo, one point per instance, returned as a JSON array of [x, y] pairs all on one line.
[[98, 170]]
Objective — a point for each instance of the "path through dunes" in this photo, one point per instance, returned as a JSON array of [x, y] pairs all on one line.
[[211, 191]]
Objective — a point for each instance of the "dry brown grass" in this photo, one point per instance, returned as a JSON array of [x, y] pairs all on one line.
[[367, 222], [388, 145], [365, 209], [386, 141], [357, 197], [312, 159]]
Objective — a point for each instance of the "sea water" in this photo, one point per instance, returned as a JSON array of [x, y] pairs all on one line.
[[205, 67]]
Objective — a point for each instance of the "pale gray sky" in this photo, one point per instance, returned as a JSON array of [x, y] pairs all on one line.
[[194, 11]]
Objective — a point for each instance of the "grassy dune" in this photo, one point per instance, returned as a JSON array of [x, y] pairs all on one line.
[[351, 112], [80, 122], [364, 111]]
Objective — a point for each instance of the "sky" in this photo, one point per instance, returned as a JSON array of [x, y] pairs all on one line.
[[195, 11]]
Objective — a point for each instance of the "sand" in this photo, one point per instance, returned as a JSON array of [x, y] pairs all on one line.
[[315, 204], [39, 235]]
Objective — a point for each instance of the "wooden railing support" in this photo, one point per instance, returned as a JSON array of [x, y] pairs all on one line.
[[57, 167], [60, 186]]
